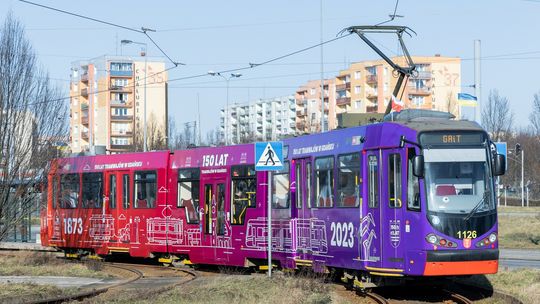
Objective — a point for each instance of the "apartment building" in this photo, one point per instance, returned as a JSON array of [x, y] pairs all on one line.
[[261, 120], [309, 110], [107, 102], [367, 86]]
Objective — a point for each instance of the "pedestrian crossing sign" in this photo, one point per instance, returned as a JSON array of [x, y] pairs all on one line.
[[268, 156]]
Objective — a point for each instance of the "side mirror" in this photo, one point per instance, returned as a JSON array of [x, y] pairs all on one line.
[[500, 165], [418, 166]]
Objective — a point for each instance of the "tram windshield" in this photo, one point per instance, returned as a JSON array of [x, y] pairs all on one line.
[[458, 181]]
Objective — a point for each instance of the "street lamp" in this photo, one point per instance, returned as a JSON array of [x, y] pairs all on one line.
[[125, 41], [227, 79]]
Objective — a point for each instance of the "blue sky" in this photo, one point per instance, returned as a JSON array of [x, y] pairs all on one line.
[[221, 35]]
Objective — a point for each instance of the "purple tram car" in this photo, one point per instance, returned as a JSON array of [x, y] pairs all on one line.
[[407, 198]]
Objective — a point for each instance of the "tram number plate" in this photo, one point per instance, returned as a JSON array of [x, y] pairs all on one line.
[[73, 225], [466, 234], [342, 235]]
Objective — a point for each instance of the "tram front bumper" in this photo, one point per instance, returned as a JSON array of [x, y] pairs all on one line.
[[461, 262]]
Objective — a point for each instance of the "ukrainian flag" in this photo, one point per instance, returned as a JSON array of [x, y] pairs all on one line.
[[465, 99]]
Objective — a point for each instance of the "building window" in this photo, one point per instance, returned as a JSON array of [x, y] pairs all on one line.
[[417, 100], [357, 75], [312, 91], [385, 87], [357, 89], [357, 104]]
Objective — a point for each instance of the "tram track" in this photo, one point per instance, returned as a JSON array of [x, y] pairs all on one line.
[[138, 271]]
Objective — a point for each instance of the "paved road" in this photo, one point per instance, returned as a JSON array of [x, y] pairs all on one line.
[[519, 258]]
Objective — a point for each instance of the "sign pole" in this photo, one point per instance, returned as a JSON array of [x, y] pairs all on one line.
[[269, 241]]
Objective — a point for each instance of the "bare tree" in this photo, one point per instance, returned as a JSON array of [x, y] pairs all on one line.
[[32, 120], [155, 136], [497, 117], [534, 117]]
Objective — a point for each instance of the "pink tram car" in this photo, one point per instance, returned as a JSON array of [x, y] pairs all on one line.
[[391, 200]]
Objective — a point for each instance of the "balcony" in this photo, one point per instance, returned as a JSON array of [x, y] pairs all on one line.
[[302, 112], [84, 120], [84, 106], [84, 92], [121, 133], [116, 73], [342, 87], [372, 94], [371, 78], [121, 147], [422, 75], [120, 104], [117, 88], [343, 101], [419, 90], [372, 109], [84, 77], [121, 117], [84, 135]]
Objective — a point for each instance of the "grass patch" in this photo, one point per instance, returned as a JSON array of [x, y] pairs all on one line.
[[45, 263], [522, 283], [238, 289], [23, 293], [519, 232]]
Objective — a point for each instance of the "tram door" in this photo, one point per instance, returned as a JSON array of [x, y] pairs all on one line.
[[216, 234], [370, 227], [392, 182], [303, 199], [116, 197]]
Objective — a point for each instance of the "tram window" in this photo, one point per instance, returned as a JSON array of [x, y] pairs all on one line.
[[324, 182], [373, 182], [125, 191], [69, 190], [188, 193], [299, 182], [349, 180], [145, 189], [54, 191], [309, 188], [112, 191], [394, 181], [280, 188], [220, 209], [244, 190], [207, 208], [92, 190], [413, 188]]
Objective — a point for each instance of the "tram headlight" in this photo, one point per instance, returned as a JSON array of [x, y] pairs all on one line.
[[435, 220], [492, 238], [431, 238]]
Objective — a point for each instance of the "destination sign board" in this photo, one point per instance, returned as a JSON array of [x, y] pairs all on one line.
[[451, 138]]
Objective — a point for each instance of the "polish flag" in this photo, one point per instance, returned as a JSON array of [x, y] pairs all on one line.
[[397, 105]]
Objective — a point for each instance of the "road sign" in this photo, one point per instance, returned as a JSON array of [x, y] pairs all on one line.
[[268, 156], [502, 149]]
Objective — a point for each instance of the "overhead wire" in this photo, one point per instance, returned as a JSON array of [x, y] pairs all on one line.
[[82, 16]]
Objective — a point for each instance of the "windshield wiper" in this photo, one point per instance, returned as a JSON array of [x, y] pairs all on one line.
[[477, 206]]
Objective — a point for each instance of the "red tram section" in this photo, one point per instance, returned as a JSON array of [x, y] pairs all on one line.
[[107, 203]]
